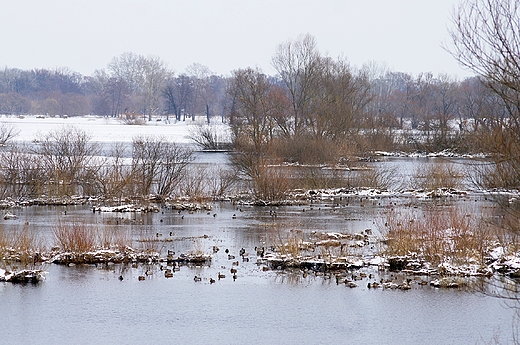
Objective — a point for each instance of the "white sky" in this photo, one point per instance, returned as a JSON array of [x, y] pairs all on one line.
[[84, 35]]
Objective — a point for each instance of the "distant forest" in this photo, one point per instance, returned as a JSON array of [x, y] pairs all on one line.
[[311, 94], [315, 110]]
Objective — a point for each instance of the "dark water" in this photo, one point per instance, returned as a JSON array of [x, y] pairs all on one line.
[[90, 305]]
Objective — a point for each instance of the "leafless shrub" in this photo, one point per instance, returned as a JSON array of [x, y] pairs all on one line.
[[21, 173], [307, 150], [194, 184], [315, 177], [66, 153], [272, 183], [158, 164], [207, 137], [20, 246], [500, 174], [379, 177], [150, 244], [76, 237], [401, 236], [112, 237], [506, 226], [115, 175], [27, 243], [437, 175], [221, 181]]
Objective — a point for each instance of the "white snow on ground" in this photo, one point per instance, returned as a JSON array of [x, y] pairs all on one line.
[[110, 129]]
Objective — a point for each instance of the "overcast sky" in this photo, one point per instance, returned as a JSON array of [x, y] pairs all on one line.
[[85, 35]]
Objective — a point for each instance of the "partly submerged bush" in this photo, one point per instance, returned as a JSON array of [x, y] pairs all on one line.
[[76, 237], [437, 175], [438, 236]]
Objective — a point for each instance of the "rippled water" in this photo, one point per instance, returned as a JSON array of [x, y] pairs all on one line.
[[90, 305]]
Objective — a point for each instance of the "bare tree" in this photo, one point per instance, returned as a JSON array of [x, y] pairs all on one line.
[[145, 77], [21, 173], [486, 39], [66, 153], [252, 119], [155, 74], [298, 64], [203, 92], [8, 132], [158, 164]]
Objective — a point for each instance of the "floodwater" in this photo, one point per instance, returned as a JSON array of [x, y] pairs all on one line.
[[90, 305]]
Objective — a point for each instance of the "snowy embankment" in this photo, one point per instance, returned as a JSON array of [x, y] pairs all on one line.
[[23, 276]]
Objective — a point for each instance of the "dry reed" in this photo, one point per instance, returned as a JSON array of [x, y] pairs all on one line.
[[438, 236], [437, 175], [76, 237]]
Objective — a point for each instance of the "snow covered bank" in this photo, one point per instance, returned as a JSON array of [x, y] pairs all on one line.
[[104, 129]]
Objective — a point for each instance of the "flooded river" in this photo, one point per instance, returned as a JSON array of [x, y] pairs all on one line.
[[91, 304]]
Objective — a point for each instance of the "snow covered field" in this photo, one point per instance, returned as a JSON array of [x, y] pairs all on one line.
[[108, 129]]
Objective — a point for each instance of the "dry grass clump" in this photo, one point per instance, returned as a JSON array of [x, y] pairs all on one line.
[[438, 175], [79, 237], [20, 246], [271, 183], [315, 177], [379, 177], [150, 244], [438, 236], [76, 237], [291, 244], [114, 238]]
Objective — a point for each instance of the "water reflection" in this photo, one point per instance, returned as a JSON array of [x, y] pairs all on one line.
[[259, 306]]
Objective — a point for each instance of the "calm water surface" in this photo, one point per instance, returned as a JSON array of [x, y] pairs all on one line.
[[90, 305]]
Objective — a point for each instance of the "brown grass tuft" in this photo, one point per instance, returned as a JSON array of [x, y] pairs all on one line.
[[439, 236], [76, 237]]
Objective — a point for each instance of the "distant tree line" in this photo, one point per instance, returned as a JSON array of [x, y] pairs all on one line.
[[315, 110], [311, 95], [130, 85]]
